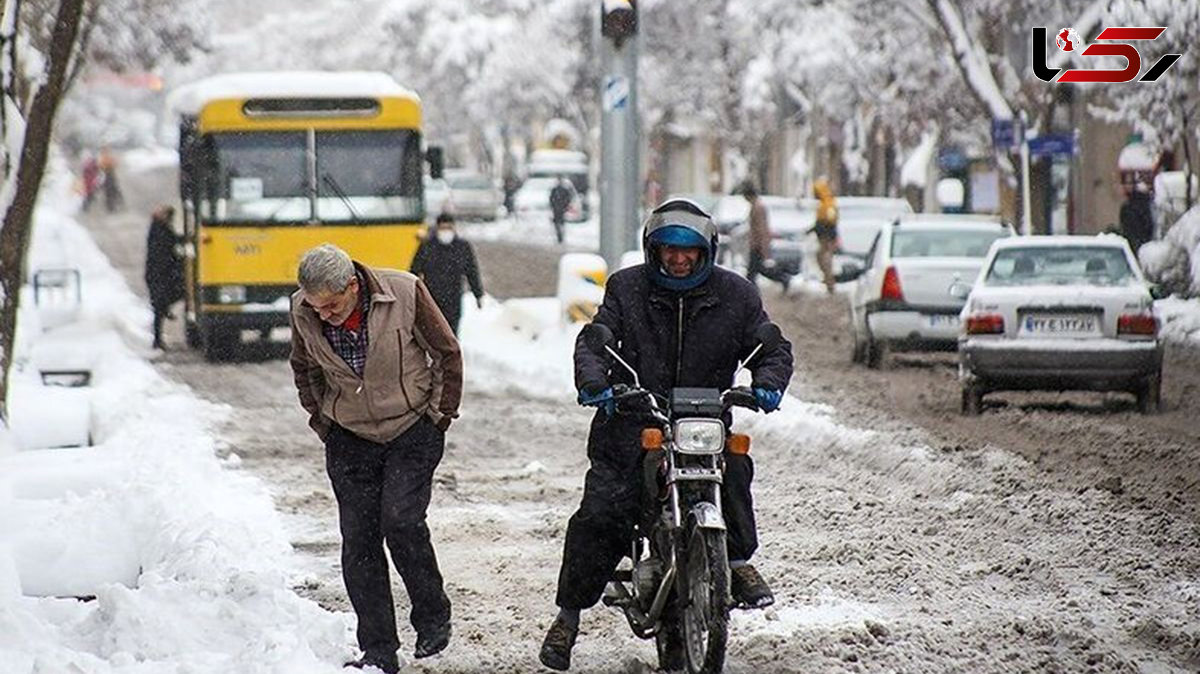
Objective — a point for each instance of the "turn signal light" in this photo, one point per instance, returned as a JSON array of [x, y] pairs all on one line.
[[985, 324], [1137, 324], [652, 439], [891, 285], [738, 443]]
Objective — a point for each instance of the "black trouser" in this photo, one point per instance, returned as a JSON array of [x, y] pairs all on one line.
[[382, 493], [758, 266], [559, 220], [600, 531], [161, 312]]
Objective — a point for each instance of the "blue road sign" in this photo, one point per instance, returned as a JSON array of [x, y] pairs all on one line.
[[1052, 144], [1004, 134]]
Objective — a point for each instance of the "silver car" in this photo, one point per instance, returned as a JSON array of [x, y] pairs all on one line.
[[474, 195], [901, 300], [1056, 313]]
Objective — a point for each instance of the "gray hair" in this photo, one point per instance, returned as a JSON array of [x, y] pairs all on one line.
[[325, 268]]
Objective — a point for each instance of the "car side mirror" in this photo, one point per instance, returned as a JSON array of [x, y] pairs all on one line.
[[959, 290], [596, 337], [849, 272], [1158, 292]]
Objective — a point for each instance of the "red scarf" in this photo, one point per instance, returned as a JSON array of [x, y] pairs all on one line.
[[354, 321]]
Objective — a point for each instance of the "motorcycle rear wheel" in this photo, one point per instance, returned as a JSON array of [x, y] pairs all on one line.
[[704, 606]]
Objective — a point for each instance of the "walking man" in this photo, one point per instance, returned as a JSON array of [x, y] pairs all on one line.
[[382, 413], [760, 242], [825, 228], [442, 262], [560, 201]]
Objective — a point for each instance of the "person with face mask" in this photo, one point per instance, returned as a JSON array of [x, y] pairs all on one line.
[[442, 262]]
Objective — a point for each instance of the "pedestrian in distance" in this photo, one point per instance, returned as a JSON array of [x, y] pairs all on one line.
[[91, 177], [107, 162], [677, 288], [382, 413], [760, 242], [560, 200], [825, 228], [1137, 218], [164, 268], [443, 261]]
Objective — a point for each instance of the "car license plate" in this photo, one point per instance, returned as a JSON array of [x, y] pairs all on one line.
[[1060, 325], [940, 320]]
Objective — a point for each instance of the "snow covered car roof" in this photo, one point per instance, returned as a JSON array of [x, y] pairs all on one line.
[[1044, 240], [949, 221], [189, 99]]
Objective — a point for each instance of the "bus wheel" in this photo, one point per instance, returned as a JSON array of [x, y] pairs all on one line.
[[191, 333], [220, 343]]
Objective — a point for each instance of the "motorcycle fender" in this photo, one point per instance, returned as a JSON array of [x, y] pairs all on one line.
[[708, 516]]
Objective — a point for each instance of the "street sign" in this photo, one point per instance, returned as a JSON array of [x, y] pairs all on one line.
[[616, 93], [1052, 144], [1004, 134]]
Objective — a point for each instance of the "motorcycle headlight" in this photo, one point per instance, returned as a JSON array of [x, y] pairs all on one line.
[[699, 436], [231, 294]]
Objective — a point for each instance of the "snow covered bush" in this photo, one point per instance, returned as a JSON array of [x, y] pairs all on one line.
[[1174, 261]]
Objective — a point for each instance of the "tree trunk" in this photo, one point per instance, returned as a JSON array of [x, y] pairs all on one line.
[[15, 230]]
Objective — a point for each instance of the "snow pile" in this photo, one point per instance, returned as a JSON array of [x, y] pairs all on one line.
[[1180, 319], [1174, 261], [187, 562]]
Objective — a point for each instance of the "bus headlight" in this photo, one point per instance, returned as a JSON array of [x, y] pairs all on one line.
[[231, 294], [699, 436]]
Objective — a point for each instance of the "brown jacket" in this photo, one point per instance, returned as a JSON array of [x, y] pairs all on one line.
[[414, 364], [760, 231]]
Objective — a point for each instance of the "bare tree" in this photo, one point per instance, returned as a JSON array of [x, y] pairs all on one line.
[[23, 169]]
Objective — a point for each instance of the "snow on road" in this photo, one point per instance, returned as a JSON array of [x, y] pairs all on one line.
[[889, 549]]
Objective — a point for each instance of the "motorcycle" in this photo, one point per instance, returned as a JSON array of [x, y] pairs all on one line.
[[677, 589]]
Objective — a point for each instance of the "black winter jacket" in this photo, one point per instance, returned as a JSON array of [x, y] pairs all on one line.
[[443, 266], [693, 338], [164, 267]]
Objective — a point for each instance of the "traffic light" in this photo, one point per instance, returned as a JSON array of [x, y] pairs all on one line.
[[618, 20]]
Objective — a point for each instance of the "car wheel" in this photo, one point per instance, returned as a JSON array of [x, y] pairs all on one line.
[[858, 351], [1149, 395], [972, 400], [873, 352]]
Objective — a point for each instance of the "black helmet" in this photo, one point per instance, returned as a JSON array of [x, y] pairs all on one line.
[[679, 222]]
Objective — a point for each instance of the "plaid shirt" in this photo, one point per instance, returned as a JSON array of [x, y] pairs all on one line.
[[352, 345]]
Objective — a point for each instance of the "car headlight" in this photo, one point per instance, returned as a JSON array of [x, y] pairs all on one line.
[[231, 294], [699, 436]]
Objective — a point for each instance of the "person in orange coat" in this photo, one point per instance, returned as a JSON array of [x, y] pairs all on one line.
[[826, 230]]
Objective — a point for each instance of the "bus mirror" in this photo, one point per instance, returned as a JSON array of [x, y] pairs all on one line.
[[437, 161]]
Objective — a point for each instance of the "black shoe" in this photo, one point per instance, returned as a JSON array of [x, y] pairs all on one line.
[[556, 647], [749, 589], [382, 664], [432, 642]]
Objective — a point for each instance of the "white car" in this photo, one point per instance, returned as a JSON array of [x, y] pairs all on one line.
[[437, 198], [902, 299], [1056, 313], [474, 195]]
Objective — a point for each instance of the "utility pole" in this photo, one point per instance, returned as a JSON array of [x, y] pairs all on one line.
[[619, 157], [1026, 206]]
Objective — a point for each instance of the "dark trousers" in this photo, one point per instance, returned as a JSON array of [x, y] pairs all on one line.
[[758, 266], [600, 531], [560, 220], [382, 494], [160, 315]]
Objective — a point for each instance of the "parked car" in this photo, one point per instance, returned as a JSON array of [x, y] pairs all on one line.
[[437, 198], [1055, 313], [474, 195], [901, 300], [859, 220], [532, 200]]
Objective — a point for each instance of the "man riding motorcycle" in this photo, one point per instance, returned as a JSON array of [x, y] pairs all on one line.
[[680, 321]]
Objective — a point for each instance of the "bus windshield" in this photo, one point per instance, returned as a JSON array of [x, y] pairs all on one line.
[[259, 176], [368, 175], [358, 176]]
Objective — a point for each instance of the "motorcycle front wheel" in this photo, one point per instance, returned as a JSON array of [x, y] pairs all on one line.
[[705, 601]]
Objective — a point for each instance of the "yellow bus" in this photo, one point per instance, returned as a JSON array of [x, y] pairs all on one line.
[[272, 164]]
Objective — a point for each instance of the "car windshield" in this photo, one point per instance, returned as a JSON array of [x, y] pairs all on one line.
[[943, 242], [1060, 265]]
